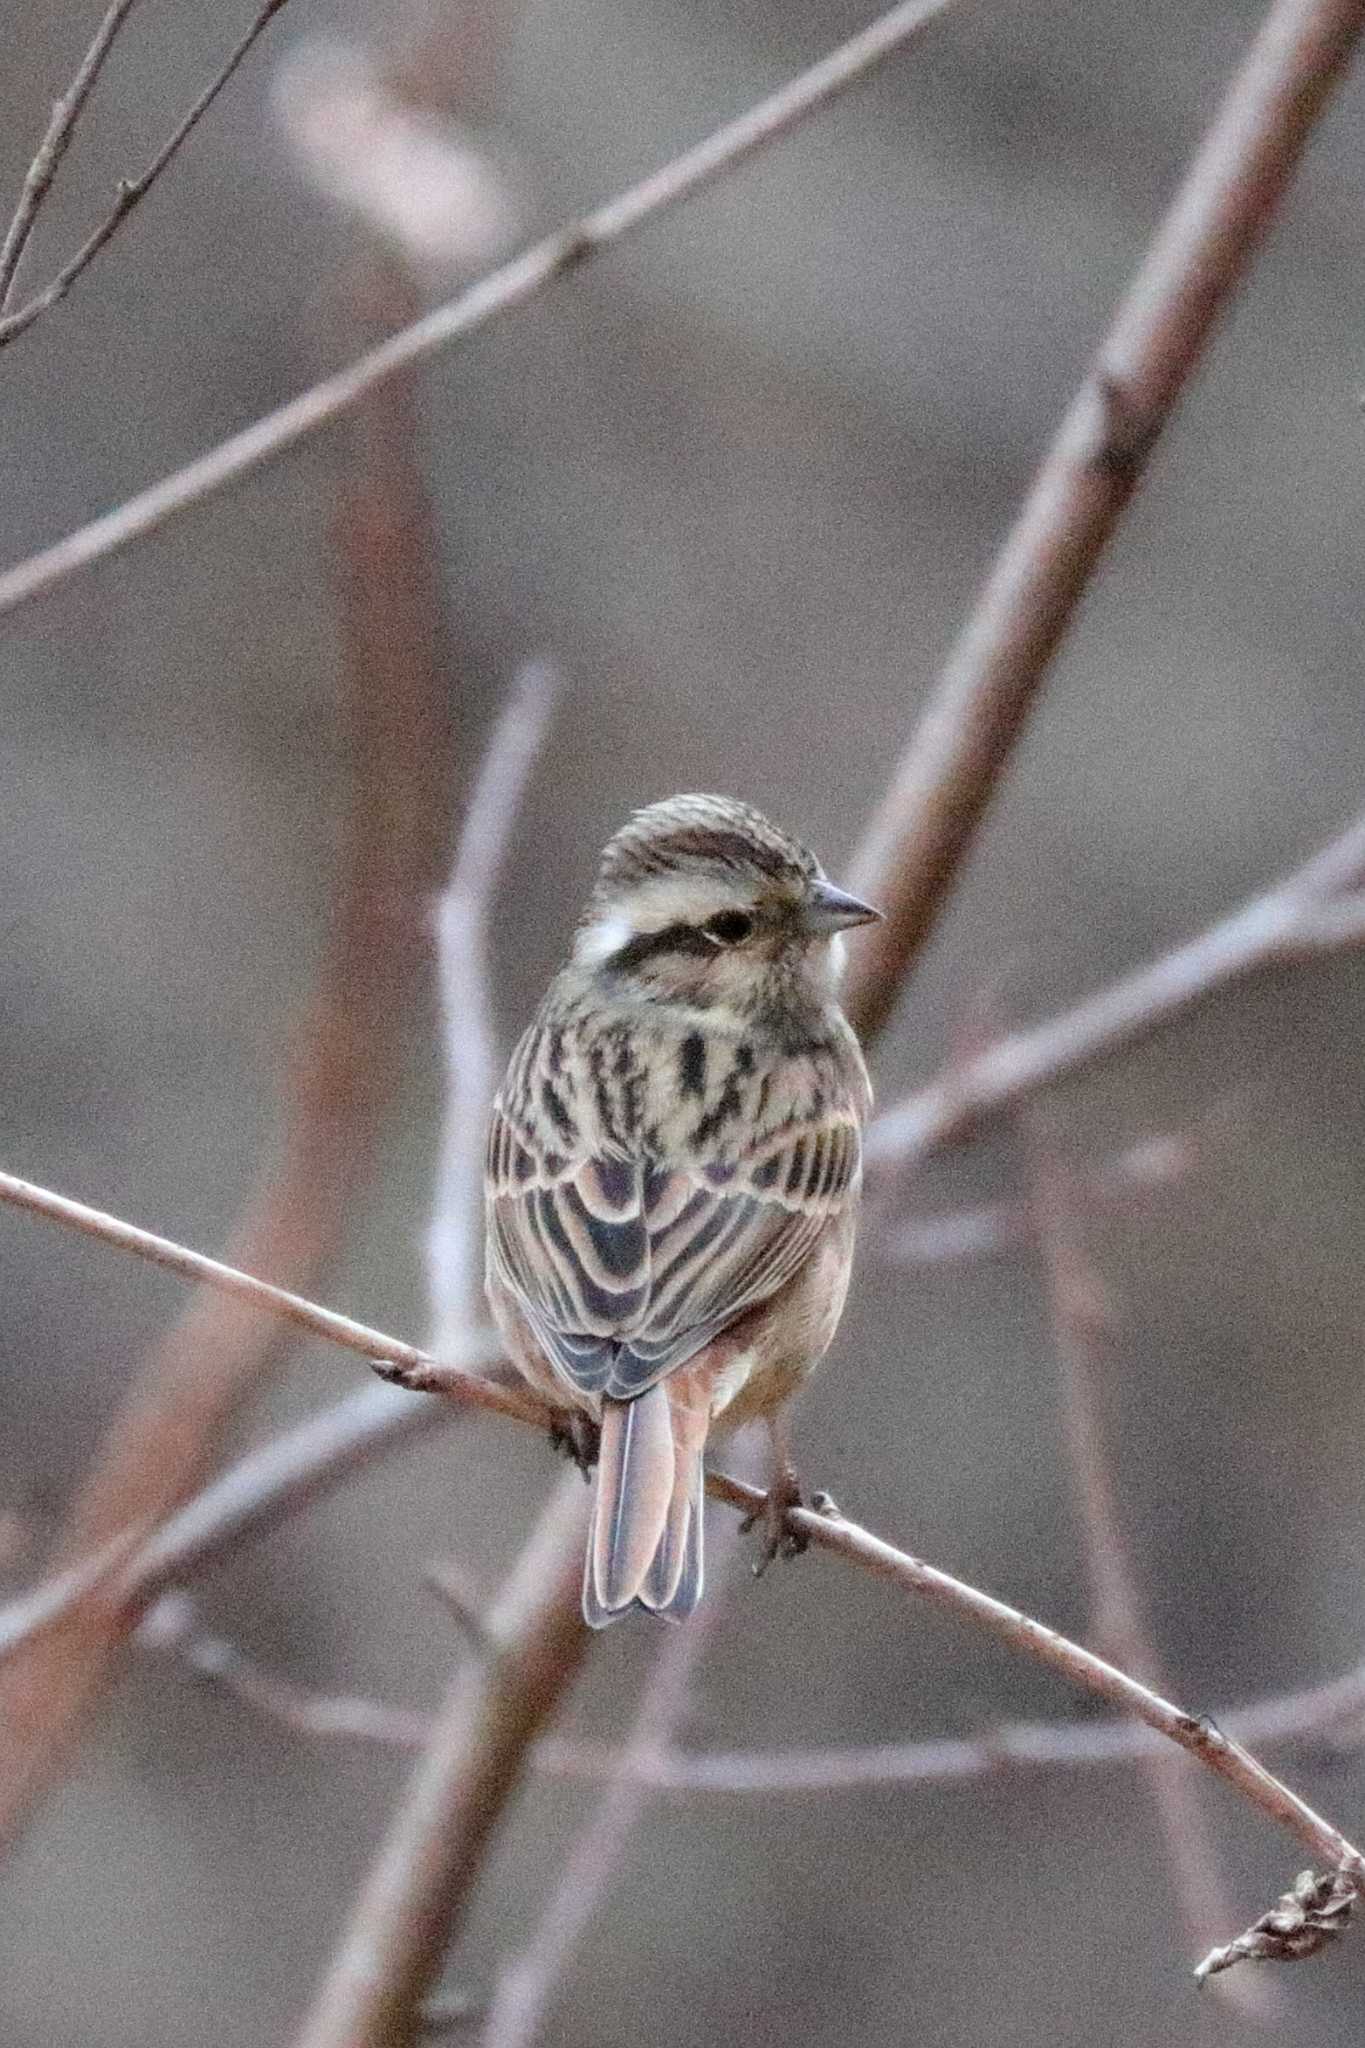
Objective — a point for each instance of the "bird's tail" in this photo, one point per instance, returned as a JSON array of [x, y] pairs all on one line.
[[645, 1540]]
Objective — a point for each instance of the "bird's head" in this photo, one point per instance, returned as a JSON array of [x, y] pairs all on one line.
[[701, 900]]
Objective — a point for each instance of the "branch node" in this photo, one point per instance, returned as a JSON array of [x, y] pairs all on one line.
[[1128, 430]]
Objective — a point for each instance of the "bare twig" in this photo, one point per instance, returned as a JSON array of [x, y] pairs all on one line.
[[831, 1531], [1311, 913], [66, 112], [952, 1235], [415, 1896], [1200, 253], [527, 1986], [172, 1626], [509, 286], [467, 1014], [131, 191], [1083, 1329], [463, 1601], [1331, 1711], [416, 1366], [1331, 1714]]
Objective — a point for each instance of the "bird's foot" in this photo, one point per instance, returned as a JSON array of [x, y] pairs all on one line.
[[779, 1538], [575, 1435]]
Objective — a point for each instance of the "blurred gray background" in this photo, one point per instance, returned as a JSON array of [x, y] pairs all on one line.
[[740, 480]]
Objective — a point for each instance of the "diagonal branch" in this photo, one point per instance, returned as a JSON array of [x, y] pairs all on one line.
[[131, 191], [66, 112], [509, 286], [1200, 1737], [1309, 915], [1200, 253], [419, 1370], [831, 1531]]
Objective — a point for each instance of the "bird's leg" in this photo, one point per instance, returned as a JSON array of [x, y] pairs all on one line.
[[784, 1493], [574, 1434]]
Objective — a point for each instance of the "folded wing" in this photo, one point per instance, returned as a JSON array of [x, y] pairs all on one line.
[[626, 1266]]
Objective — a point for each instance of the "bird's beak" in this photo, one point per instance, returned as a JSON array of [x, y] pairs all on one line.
[[827, 909]]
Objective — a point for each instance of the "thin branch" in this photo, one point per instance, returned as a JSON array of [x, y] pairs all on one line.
[[951, 1236], [66, 112], [469, 1034], [512, 284], [172, 1627], [1330, 1711], [1331, 1714], [1308, 915], [1084, 1336], [463, 1601], [831, 1531], [1199, 255], [415, 1897], [416, 1366], [131, 191], [46, 1605]]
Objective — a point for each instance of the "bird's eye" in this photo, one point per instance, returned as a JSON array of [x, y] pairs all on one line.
[[729, 926]]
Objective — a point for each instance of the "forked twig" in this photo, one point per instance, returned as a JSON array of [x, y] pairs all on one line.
[[66, 112], [131, 191]]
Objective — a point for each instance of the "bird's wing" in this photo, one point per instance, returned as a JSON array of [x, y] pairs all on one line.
[[626, 1265]]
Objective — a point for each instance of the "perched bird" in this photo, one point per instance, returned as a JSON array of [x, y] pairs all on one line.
[[672, 1174]]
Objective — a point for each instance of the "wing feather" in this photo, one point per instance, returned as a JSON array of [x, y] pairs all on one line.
[[627, 1263]]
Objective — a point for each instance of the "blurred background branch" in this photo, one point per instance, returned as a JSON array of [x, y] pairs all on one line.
[[1313, 913], [915, 846]]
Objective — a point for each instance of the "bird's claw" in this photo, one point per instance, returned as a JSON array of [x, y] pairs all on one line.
[[779, 1538], [575, 1435]]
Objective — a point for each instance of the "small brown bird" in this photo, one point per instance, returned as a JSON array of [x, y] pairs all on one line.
[[673, 1170]]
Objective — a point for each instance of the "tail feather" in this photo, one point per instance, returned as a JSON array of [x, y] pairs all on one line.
[[673, 1583], [645, 1543], [634, 1489]]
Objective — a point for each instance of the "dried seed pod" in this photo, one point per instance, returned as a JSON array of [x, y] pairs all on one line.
[[1300, 1922]]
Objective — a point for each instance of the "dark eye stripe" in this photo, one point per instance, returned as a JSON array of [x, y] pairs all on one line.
[[675, 939]]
